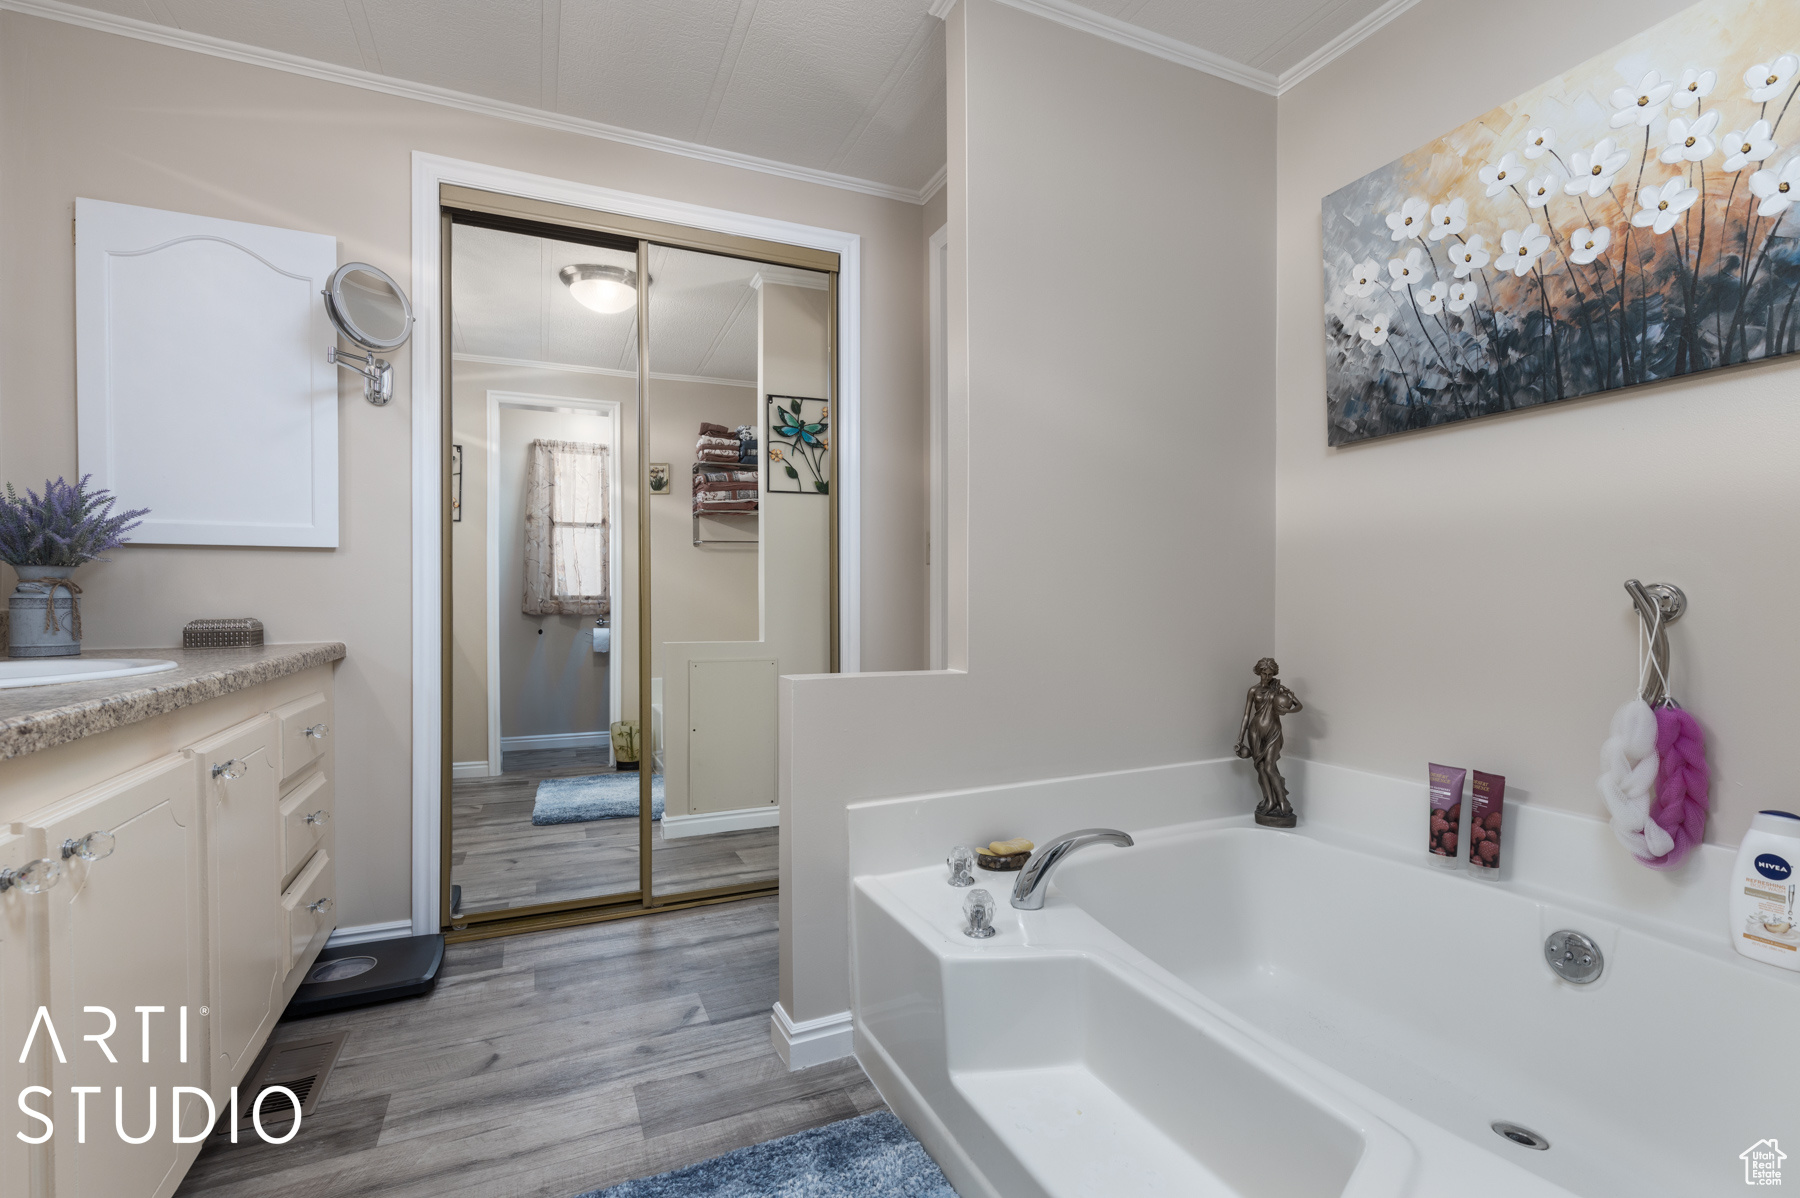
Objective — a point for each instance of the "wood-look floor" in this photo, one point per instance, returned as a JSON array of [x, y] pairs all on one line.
[[502, 861], [548, 1064]]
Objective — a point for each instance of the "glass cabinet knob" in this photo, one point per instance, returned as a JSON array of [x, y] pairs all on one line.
[[320, 907], [317, 731], [228, 770], [318, 818], [95, 846], [34, 877]]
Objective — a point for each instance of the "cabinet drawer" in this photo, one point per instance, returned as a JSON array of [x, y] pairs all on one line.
[[305, 819], [305, 725], [309, 903]]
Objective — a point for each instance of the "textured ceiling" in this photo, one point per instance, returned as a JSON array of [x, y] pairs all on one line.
[[507, 302], [851, 87]]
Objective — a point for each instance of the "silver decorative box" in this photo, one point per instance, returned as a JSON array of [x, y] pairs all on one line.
[[234, 633]]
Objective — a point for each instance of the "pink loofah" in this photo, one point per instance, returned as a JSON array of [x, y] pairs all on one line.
[[1682, 783]]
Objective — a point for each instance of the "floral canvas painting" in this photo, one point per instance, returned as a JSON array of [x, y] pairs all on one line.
[[1630, 221]]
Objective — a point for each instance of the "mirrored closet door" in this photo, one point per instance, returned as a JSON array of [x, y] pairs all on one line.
[[567, 798]]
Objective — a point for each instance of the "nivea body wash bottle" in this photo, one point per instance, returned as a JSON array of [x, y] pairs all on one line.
[[1763, 890]]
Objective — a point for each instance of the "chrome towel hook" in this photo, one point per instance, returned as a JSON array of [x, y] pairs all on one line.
[[1659, 604]]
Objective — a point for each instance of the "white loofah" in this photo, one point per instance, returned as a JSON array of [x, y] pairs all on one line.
[[1629, 782]]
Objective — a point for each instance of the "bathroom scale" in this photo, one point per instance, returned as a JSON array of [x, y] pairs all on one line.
[[358, 975]]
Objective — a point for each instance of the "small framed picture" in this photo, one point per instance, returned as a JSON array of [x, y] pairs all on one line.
[[659, 478], [456, 475]]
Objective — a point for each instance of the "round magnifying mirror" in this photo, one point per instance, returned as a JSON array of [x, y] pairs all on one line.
[[368, 307]]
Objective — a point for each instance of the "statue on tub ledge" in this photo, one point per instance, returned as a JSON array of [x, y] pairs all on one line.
[[1259, 739]]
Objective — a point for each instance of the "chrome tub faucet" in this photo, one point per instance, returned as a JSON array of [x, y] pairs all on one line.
[[1034, 880]]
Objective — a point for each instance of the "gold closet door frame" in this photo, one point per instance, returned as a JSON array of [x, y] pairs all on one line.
[[451, 198]]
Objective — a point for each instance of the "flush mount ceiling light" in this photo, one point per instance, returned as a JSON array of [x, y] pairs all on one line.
[[607, 289]]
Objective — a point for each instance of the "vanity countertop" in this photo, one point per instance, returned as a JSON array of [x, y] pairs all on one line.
[[41, 717]]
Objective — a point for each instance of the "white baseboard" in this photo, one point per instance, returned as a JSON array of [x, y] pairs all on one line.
[[814, 1042], [707, 822], [393, 929], [468, 769], [557, 740]]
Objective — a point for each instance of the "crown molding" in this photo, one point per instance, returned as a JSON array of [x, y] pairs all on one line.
[[1341, 44], [180, 39], [934, 184], [572, 368], [1114, 30], [1138, 38]]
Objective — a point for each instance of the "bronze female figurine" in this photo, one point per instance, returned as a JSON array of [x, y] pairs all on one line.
[[1259, 739]]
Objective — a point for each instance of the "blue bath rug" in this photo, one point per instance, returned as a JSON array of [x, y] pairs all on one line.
[[596, 796], [870, 1156]]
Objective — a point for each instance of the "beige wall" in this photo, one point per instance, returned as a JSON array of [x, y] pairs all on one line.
[[1112, 456], [92, 114], [1455, 595]]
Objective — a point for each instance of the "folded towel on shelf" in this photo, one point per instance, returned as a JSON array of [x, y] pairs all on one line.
[[707, 470], [704, 506], [747, 450], [718, 457], [709, 429], [730, 443], [705, 499]]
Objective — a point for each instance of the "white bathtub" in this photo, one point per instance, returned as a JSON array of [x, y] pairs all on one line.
[[1229, 1010]]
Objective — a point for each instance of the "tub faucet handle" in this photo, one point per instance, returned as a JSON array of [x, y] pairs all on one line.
[[978, 909], [962, 865]]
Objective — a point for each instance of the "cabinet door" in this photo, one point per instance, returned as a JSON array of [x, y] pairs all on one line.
[[19, 975], [126, 932], [239, 792]]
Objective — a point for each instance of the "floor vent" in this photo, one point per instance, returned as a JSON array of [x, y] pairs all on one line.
[[299, 1065]]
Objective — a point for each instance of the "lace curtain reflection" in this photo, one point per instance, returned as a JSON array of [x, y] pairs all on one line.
[[566, 530]]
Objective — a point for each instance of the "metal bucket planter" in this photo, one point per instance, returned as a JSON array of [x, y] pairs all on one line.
[[44, 616]]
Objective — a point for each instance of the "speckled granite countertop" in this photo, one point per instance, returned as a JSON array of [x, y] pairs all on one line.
[[41, 717]]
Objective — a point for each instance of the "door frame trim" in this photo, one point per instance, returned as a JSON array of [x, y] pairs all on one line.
[[426, 365]]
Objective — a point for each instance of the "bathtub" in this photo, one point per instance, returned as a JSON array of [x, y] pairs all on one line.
[[1226, 1010]]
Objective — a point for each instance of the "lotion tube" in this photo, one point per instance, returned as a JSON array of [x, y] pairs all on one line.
[[1487, 807], [1445, 812]]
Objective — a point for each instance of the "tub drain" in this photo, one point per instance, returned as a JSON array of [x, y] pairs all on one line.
[[1522, 1136]]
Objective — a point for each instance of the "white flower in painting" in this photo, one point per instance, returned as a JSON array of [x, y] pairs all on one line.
[[1744, 146], [1693, 87], [1766, 80], [1539, 142], [1410, 220], [1587, 244], [1521, 248], [1660, 208], [1460, 295], [1470, 256], [1447, 220], [1691, 141], [1500, 175], [1642, 104], [1375, 330], [1594, 170], [1364, 279], [1540, 189], [1409, 271], [1431, 300], [1778, 190]]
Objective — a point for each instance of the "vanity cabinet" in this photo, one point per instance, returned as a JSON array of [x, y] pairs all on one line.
[[126, 932], [18, 1002], [210, 888], [240, 781]]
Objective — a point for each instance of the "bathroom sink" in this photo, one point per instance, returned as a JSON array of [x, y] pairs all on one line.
[[41, 671]]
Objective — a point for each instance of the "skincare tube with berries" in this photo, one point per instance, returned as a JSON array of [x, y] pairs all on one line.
[[1446, 810], [1487, 796]]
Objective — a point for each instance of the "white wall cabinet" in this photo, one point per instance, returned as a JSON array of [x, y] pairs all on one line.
[[216, 897]]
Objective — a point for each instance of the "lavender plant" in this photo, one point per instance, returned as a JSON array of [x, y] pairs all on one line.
[[65, 526]]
